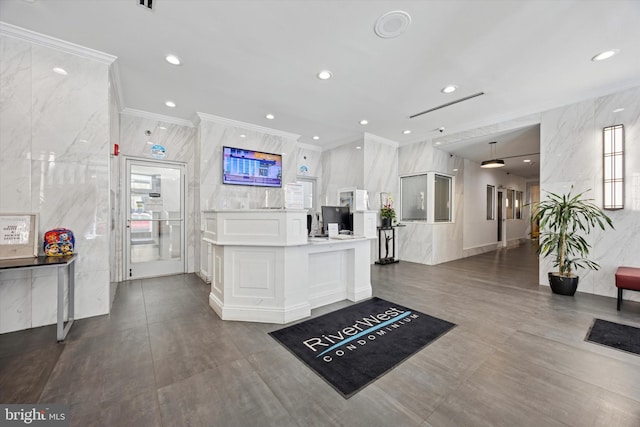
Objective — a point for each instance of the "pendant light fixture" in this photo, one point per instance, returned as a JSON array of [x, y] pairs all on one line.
[[494, 162]]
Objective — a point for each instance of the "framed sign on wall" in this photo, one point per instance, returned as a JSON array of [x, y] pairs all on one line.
[[18, 235]]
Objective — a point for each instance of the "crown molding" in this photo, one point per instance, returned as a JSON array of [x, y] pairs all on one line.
[[309, 147], [381, 140], [54, 43], [203, 117], [157, 117]]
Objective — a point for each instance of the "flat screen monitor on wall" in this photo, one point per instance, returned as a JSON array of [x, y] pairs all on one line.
[[336, 215], [250, 167]]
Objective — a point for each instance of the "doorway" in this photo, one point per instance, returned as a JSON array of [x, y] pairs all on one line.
[[155, 230]]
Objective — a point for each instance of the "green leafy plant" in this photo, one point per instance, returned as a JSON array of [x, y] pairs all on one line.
[[563, 220]]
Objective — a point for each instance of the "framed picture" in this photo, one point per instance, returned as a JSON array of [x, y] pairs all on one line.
[[18, 235]]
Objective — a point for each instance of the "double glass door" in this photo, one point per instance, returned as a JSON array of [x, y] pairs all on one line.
[[155, 219]]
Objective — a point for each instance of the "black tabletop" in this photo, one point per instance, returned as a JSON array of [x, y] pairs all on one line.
[[40, 261]]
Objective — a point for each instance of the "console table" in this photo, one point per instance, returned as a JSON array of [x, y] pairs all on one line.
[[60, 263]]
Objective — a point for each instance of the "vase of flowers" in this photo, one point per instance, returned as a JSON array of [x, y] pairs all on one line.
[[387, 213]]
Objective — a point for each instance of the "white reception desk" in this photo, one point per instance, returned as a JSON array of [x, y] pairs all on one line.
[[263, 268]]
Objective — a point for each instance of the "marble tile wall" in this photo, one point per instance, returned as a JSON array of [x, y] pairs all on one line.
[[432, 243], [342, 167], [180, 144], [571, 154], [115, 234], [309, 161], [55, 143], [215, 195], [380, 169]]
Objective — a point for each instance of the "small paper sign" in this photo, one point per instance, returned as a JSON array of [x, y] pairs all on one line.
[[14, 230], [333, 230], [294, 196]]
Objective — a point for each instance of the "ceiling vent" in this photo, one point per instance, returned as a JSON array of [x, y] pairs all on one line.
[[447, 104], [147, 4]]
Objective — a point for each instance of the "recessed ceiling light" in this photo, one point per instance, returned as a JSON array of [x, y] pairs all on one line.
[[60, 71], [364, 122], [527, 161], [617, 110], [316, 137], [605, 55], [270, 116], [162, 127], [173, 60], [242, 135], [438, 143], [358, 147], [170, 104], [406, 132], [449, 89], [324, 75], [455, 170]]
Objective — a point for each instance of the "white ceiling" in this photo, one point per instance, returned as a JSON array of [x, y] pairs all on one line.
[[244, 59]]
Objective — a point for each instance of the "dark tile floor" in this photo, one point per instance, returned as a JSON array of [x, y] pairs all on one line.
[[163, 358]]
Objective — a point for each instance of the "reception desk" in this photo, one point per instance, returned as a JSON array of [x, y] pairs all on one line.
[[263, 267]]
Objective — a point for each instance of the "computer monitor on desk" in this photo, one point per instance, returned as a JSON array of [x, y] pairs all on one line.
[[336, 215]]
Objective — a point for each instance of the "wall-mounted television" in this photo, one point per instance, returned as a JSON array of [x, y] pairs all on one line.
[[250, 167]]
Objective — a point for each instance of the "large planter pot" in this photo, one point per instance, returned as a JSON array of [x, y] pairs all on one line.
[[385, 222], [562, 285]]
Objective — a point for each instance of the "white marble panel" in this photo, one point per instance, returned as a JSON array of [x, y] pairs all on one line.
[[342, 166], [44, 297], [380, 171], [15, 122], [415, 243], [115, 235], [571, 155], [15, 99], [70, 112], [15, 300], [73, 195], [178, 140], [15, 184], [215, 195], [55, 143], [91, 296], [622, 246], [569, 145], [415, 158], [311, 160]]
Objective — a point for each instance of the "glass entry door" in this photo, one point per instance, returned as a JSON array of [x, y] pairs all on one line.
[[155, 219]]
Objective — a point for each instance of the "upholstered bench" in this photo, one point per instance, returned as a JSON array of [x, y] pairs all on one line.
[[627, 278]]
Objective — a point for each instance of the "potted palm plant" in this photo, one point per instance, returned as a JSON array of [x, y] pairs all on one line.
[[563, 220]]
